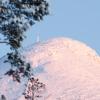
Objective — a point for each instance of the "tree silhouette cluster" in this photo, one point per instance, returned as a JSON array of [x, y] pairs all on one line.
[[20, 72], [34, 89], [16, 16]]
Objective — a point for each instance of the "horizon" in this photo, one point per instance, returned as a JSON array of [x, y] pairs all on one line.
[[79, 20]]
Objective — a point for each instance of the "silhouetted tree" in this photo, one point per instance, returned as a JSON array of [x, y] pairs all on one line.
[[16, 16], [34, 89], [3, 97]]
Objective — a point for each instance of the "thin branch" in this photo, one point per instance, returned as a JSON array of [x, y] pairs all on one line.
[[4, 42]]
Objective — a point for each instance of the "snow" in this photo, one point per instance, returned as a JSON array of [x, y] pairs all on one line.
[[69, 69]]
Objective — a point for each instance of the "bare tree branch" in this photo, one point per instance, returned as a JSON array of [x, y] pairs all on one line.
[[4, 42]]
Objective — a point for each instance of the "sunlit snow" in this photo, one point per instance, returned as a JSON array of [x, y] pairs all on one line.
[[69, 69]]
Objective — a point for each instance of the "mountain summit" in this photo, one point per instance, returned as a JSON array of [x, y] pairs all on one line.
[[69, 69]]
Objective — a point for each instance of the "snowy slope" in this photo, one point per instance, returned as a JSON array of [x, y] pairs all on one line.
[[70, 70]]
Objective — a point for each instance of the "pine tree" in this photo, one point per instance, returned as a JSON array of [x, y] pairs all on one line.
[[16, 16], [34, 89], [3, 97]]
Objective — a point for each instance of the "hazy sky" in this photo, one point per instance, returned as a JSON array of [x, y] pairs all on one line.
[[77, 19]]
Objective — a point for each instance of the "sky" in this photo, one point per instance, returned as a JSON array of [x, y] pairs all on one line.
[[76, 19]]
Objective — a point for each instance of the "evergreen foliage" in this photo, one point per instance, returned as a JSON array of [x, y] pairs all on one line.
[[3, 97], [16, 16], [34, 89]]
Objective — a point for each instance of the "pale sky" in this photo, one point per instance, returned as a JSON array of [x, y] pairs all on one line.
[[77, 19]]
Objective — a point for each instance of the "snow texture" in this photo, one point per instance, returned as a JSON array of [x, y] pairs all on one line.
[[69, 69]]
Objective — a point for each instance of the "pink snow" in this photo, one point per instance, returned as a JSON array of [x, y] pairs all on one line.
[[69, 69]]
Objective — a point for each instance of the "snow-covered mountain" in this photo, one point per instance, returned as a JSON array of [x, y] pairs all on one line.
[[69, 69]]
